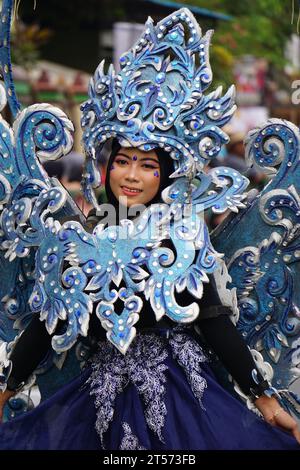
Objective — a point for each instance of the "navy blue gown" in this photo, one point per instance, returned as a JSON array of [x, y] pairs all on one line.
[[161, 395]]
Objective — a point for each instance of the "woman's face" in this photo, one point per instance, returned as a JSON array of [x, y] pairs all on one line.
[[135, 176]]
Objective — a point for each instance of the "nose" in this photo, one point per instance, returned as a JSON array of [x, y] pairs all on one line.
[[133, 173]]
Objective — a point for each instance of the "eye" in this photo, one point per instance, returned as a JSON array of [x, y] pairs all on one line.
[[150, 166], [121, 161]]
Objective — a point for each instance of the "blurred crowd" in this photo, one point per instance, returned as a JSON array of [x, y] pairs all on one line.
[[233, 155], [68, 170]]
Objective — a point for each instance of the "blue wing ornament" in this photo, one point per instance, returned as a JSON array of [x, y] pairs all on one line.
[[261, 246], [38, 131]]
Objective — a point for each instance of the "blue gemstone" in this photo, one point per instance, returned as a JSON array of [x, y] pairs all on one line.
[[132, 108], [130, 123], [91, 264], [273, 284], [123, 294], [174, 196], [164, 257], [52, 258], [122, 60], [64, 235], [51, 203], [161, 77], [121, 335], [16, 404]]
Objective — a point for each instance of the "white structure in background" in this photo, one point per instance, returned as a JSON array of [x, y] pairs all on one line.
[[293, 54], [246, 118], [124, 35]]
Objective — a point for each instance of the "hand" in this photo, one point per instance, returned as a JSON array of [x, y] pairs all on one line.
[[4, 397], [275, 415]]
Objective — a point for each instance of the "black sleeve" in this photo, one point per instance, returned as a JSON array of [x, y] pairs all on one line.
[[34, 344], [29, 351], [226, 341], [228, 344], [210, 303]]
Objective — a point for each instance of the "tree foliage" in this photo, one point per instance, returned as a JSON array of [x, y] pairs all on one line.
[[258, 27], [26, 42]]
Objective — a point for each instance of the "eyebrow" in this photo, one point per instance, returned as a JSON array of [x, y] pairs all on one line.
[[149, 158], [141, 159]]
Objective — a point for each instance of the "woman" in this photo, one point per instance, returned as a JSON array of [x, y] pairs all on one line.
[[162, 394]]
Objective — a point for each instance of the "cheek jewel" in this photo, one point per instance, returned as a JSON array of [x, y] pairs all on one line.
[[112, 168], [134, 158], [156, 174]]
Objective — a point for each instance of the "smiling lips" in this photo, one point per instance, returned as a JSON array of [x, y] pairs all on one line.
[[130, 191]]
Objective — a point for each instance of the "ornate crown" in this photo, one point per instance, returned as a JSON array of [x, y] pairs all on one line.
[[132, 252], [157, 99]]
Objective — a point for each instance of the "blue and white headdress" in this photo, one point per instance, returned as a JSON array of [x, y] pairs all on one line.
[[157, 99]]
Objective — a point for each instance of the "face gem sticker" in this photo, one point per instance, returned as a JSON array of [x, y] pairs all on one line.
[[156, 174], [134, 158]]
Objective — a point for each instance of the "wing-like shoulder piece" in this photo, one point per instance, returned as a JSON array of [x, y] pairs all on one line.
[[263, 251]]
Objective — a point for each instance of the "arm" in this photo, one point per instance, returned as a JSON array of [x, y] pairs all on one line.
[[228, 344], [29, 351], [4, 397]]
